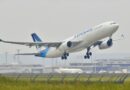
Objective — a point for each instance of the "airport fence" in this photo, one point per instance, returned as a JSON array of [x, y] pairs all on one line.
[[50, 77]]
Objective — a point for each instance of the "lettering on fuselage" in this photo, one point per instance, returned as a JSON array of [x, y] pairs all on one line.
[[82, 33]]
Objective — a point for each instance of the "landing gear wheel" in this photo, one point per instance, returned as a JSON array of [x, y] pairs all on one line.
[[62, 57], [85, 57], [65, 57], [67, 54], [90, 53], [88, 57]]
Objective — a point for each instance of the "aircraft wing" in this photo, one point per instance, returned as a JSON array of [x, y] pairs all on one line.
[[40, 44], [30, 44], [97, 43]]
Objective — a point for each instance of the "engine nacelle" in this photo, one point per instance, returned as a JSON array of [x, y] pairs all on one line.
[[106, 44], [69, 44], [66, 45]]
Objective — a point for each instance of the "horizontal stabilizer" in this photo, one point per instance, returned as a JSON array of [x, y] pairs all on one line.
[[36, 54]]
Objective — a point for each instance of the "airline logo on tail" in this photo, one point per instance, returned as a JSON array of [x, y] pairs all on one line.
[[36, 38]]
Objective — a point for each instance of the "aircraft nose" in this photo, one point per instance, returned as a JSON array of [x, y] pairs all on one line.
[[116, 26]]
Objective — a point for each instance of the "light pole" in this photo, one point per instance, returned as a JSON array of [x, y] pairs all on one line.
[[6, 57], [18, 50]]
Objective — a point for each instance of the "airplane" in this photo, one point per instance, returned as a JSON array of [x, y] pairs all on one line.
[[87, 39], [68, 70]]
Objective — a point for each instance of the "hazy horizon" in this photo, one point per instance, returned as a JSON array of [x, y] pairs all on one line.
[[74, 58]]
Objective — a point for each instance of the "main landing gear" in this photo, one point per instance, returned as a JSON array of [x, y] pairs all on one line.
[[65, 55], [88, 54]]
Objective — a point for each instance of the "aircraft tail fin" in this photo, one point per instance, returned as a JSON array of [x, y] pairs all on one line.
[[36, 38]]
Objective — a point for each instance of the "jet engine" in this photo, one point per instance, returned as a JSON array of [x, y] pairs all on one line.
[[106, 44], [69, 44], [66, 45]]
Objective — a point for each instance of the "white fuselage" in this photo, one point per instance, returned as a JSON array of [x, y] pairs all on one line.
[[86, 38]]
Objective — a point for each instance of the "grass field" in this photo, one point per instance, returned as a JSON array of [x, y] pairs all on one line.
[[7, 83]]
